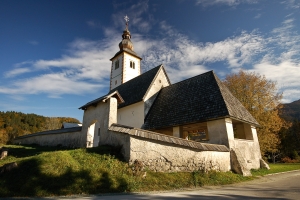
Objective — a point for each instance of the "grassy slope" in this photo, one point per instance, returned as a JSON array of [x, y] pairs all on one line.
[[49, 171]]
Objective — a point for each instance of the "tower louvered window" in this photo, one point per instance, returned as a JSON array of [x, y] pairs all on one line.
[[132, 65], [117, 64]]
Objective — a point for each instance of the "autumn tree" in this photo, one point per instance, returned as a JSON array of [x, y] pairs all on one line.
[[261, 98]]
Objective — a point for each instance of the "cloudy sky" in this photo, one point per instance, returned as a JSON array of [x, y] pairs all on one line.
[[54, 55]]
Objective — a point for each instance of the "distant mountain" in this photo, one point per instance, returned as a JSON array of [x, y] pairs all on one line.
[[291, 111]]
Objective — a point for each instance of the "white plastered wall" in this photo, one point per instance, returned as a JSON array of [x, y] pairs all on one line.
[[221, 132], [176, 131], [116, 74], [159, 82], [95, 117], [130, 73], [249, 148], [132, 115]]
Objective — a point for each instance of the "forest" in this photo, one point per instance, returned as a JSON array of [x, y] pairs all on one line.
[[14, 124]]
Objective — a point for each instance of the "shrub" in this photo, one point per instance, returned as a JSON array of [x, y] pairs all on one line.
[[288, 160]]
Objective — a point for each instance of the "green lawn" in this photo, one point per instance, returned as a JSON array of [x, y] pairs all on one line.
[[276, 168], [56, 171]]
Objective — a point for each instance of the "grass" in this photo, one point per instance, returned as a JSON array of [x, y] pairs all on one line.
[[276, 168], [45, 171]]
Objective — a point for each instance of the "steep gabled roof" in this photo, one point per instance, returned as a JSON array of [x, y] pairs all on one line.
[[198, 99], [104, 98], [133, 90]]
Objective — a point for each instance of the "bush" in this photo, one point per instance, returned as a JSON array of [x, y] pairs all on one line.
[[288, 160]]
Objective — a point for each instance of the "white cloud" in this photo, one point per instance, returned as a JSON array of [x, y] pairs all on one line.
[[33, 42], [136, 14], [52, 84], [84, 70], [185, 58], [281, 64], [293, 4], [16, 72], [257, 16], [226, 2], [86, 67]]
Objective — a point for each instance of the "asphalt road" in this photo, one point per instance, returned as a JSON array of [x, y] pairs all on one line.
[[278, 186]]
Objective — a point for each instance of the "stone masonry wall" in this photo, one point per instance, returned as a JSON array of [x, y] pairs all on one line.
[[69, 139], [166, 157]]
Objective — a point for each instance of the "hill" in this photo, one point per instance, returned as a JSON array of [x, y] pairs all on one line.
[[291, 111], [14, 124], [45, 171], [55, 171]]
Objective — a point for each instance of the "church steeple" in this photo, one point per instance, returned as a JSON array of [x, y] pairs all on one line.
[[126, 64]]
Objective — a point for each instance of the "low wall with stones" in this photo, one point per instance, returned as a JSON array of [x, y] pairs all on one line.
[[69, 137], [165, 157]]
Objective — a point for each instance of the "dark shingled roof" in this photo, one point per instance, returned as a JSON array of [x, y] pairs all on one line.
[[166, 138], [103, 98], [133, 90], [198, 99]]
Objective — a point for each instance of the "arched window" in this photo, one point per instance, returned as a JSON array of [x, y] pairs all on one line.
[[132, 65]]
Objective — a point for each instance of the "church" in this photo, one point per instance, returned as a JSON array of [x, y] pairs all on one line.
[[190, 125]]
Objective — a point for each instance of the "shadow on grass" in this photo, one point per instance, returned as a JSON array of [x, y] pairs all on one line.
[[30, 150], [107, 150], [27, 180]]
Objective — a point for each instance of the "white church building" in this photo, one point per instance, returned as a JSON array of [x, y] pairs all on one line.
[[190, 125]]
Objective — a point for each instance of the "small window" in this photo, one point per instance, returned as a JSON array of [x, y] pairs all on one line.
[[117, 64], [116, 82], [98, 131], [132, 65]]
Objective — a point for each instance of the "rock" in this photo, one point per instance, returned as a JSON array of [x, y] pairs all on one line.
[[3, 154], [238, 163], [8, 167], [264, 164]]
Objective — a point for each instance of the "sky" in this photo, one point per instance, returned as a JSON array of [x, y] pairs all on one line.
[[54, 54]]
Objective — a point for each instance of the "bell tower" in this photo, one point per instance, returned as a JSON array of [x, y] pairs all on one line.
[[126, 64]]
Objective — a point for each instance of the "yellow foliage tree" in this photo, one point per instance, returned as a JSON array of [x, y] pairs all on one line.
[[259, 95]]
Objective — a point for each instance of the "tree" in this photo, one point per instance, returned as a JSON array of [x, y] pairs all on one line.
[[260, 97], [290, 139]]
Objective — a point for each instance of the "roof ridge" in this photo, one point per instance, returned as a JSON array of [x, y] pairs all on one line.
[[143, 74], [161, 67], [193, 77], [225, 91]]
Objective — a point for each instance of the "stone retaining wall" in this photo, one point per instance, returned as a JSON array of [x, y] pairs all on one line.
[[165, 157], [68, 137]]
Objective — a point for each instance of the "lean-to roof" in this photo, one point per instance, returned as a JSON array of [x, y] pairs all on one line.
[[166, 138]]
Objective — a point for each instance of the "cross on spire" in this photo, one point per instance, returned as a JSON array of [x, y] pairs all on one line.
[[126, 20]]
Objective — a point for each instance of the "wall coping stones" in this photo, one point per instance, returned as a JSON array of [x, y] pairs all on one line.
[[166, 138], [57, 131]]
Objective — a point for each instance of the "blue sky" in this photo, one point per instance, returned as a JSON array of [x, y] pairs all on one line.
[[54, 55]]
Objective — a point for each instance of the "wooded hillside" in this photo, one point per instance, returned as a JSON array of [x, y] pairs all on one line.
[[14, 124], [291, 111]]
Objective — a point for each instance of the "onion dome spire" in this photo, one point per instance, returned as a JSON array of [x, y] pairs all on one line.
[[126, 43]]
